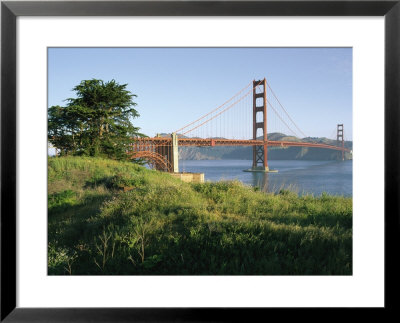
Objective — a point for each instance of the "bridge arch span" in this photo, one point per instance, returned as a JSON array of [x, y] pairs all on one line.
[[158, 161]]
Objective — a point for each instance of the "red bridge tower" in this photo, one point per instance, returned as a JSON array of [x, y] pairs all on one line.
[[260, 161], [340, 138]]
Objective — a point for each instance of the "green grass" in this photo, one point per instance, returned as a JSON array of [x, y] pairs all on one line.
[[117, 218]]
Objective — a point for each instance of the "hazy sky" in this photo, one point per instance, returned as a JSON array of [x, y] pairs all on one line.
[[176, 85]]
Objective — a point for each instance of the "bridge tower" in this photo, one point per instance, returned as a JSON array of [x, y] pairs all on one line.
[[260, 161], [340, 138]]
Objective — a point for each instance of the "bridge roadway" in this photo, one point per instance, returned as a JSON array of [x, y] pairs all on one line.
[[143, 143]]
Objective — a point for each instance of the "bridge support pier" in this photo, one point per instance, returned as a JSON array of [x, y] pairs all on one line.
[[175, 153], [170, 154]]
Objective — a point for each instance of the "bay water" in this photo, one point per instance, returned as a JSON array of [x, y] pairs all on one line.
[[301, 176]]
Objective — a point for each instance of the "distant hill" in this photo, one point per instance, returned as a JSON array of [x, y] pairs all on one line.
[[274, 153]]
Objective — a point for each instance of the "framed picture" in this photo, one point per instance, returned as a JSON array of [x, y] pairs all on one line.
[[367, 34]]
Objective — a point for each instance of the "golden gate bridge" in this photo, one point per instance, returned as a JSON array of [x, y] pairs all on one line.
[[248, 106]]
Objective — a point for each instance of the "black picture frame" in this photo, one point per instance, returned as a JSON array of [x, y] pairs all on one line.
[[10, 10]]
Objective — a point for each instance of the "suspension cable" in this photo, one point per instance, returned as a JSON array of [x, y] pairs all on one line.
[[286, 111], [276, 112], [226, 109], [202, 117], [213, 117]]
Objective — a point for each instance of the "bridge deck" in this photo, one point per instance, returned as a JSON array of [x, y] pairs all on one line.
[[160, 141]]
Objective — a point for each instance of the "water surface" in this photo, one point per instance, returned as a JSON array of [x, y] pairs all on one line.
[[315, 177]]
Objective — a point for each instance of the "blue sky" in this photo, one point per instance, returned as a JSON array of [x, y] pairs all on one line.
[[177, 85]]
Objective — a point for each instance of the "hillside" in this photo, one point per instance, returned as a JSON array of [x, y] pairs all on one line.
[[116, 218], [274, 153]]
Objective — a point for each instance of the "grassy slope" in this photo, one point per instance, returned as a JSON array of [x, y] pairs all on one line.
[[108, 217]]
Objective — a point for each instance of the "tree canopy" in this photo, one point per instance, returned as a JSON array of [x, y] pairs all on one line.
[[95, 123]]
